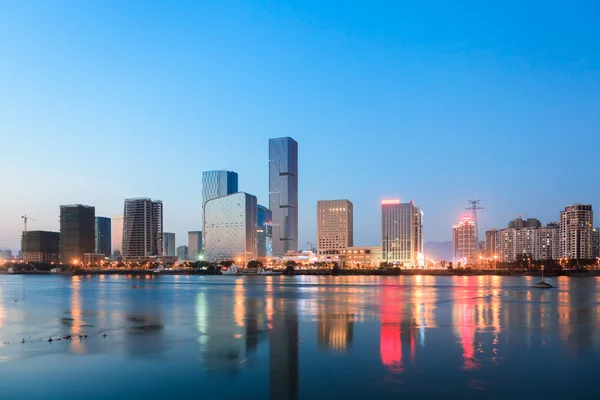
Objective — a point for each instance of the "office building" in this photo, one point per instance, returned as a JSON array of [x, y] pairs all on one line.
[[182, 253], [77, 232], [464, 242], [264, 232], [168, 244], [230, 228], [40, 246], [218, 184], [491, 243], [103, 236], [576, 232], [194, 245], [361, 257], [117, 235], [283, 194], [335, 230], [401, 233], [6, 255], [93, 258], [142, 229]]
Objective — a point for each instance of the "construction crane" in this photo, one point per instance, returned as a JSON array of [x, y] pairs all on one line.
[[25, 219]]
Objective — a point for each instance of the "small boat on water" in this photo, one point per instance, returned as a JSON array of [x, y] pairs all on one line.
[[542, 284], [232, 270], [265, 272]]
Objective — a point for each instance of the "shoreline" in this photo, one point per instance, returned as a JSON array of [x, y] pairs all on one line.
[[423, 272]]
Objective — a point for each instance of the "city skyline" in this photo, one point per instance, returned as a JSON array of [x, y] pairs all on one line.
[[366, 87]]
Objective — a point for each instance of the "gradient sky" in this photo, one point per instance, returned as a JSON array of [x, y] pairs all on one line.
[[438, 102]]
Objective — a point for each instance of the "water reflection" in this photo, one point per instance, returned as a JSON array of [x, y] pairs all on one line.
[[395, 333], [283, 350]]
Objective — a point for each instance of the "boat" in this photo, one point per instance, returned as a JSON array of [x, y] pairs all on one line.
[[261, 271], [542, 284], [56, 270], [232, 270], [158, 269]]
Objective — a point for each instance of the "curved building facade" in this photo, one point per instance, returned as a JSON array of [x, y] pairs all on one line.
[[230, 224]]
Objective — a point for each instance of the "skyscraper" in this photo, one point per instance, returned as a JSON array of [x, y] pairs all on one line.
[[464, 242], [402, 233], [218, 184], [168, 244], [283, 194], [194, 245], [142, 229], [103, 236], [334, 226], [264, 230], [77, 232], [576, 232], [117, 235], [230, 228]]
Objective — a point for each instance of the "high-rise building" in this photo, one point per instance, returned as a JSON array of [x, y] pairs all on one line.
[[335, 230], [103, 236], [283, 194], [596, 242], [6, 254], [264, 231], [576, 232], [464, 242], [401, 233], [230, 228], [194, 245], [40, 246], [117, 235], [547, 242], [142, 229], [168, 244], [491, 243], [182, 253], [218, 184], [77, 232]]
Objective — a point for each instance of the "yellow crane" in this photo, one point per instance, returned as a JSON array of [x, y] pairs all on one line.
[[25, 219]]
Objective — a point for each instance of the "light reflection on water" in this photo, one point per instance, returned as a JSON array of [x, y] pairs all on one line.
[[300, 337]]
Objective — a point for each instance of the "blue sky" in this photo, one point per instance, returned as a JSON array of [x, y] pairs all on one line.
[[438, 102]]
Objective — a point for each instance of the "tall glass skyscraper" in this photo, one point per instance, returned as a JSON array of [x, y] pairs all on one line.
[[218, 184], [283, 194], [265, 232], [168, 244], [103, 236]]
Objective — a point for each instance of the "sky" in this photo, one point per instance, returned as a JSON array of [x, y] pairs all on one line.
[[439, 102]]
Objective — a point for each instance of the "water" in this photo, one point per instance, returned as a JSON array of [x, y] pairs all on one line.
[[225, 337]]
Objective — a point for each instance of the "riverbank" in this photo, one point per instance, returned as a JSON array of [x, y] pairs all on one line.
[[341, 272]]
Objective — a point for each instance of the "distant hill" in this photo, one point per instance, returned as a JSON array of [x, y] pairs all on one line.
[[438, 250]]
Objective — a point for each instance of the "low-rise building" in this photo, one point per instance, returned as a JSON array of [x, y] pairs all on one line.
[[361, 257], [93, 258]]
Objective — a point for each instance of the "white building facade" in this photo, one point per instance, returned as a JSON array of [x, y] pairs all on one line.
[[402, 233], [230, 225]]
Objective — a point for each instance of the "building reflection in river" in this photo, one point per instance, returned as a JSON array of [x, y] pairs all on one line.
[[283, 350]]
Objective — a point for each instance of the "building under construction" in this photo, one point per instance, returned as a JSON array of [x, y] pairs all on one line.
[[77, 232], [40, 246]]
